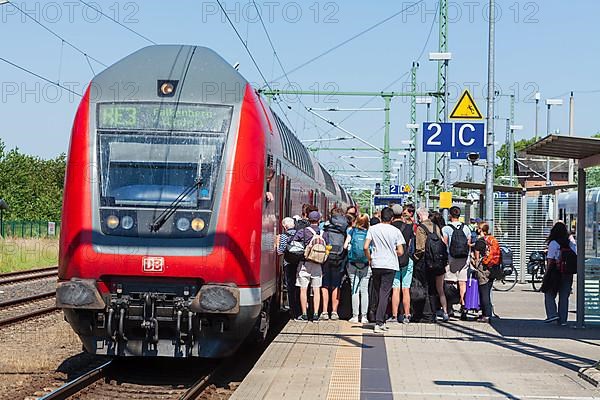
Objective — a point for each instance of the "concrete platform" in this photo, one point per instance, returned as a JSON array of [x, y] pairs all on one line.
[[516, 357]]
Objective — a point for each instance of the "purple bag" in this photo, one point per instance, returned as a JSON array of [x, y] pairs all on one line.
[[472, 294]]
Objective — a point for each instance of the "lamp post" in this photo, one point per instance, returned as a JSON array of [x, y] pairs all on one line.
[[511, 149], [549, 104], [538, 97]]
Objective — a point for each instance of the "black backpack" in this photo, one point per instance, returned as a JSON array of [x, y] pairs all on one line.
[[567, 264], [408, 234], [459, 247], [301, 224], [436, 252], [336, 240]]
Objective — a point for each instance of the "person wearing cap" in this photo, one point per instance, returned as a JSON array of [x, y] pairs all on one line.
[[403, 277], [309, 272]]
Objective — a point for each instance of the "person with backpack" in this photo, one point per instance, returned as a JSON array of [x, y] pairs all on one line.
[[303, 221], [290, 265], [431, 258], [485, 258], [358, 269], [558, 280], [457, 236], [335, 229], [403, 277], [310, 270], [388, 245]]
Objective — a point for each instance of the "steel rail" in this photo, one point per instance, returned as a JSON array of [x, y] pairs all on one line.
[[28, 275], [24, 300], [22, 317], [78, 384], [198, 387]]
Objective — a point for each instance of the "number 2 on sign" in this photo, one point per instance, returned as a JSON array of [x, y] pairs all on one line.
[[438, 130]]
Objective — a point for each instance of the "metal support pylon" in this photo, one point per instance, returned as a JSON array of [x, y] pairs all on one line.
[[386, 147], [413, 167], [442, 67]]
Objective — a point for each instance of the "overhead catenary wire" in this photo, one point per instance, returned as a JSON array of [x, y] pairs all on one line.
[[353, 37], [65, 41], [39, 76], [368, 101], [251, 56], [117, 22]]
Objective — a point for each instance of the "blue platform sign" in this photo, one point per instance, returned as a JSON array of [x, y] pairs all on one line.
[[394, 189], [384, 200], [462, 137], [437, 137]]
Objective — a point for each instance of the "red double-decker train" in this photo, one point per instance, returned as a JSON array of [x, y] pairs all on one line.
[[178, 176]]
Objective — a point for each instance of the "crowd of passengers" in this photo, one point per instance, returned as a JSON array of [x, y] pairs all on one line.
[[402, 265]]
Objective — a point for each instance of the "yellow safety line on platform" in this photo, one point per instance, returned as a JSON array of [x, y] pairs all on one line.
[[345, 377]]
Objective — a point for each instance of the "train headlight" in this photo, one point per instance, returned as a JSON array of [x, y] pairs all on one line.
[[112, 221], [197, 224], [127, 222], [183, 224], [167, 88]]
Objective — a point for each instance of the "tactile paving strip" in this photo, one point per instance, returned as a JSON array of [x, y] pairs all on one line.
[[345, 377]]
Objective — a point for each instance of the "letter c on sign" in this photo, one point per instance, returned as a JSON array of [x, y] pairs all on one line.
[[461, 133]]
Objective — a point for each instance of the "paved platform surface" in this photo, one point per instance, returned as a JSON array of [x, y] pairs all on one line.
[[516, 357]]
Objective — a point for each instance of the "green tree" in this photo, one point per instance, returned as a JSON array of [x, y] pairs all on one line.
[[31, 186], [593, 174], [503, 154]]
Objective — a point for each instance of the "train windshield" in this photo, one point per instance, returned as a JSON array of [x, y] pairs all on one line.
[[152, 168]]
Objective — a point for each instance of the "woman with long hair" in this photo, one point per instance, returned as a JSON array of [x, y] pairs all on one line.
[[358, 269], [557, 281]]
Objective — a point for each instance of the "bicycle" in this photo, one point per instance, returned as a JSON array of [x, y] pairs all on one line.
[[503, 284], [537, 268]]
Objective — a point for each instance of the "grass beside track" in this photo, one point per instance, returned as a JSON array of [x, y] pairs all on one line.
[[23, 254]]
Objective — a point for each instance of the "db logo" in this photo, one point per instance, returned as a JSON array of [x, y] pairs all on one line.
[[153, 264]]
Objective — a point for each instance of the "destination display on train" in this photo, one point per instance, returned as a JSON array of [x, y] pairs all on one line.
[[162, 116]]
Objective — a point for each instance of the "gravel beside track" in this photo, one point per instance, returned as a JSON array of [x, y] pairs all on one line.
[[26, 289], [26, 275], [10, 314], [39, 355], [161, 379]]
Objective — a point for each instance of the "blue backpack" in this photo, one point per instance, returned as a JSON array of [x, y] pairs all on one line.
[[356, 254]]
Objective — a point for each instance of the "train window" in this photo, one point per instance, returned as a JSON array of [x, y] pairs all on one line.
[[329, 184], [343, 193], [293, 150], [149, 170]]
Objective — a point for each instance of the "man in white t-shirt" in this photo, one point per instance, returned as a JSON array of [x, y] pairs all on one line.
[[456, 271], [387, 244]]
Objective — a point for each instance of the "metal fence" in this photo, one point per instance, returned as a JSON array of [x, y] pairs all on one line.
[[29, 229], [507, 223]]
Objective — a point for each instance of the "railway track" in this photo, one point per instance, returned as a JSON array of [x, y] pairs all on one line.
[[117, 379], [21, 309], [28, 275]]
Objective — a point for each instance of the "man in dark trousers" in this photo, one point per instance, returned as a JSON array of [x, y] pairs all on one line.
[[387, 242]]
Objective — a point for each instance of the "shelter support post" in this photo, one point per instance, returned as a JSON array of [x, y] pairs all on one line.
[[523, 238], [581, 223]]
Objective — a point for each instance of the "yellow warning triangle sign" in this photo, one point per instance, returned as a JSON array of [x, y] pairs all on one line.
[[466, 108]]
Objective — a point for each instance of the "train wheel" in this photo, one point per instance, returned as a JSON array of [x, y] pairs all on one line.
[[261, 327]]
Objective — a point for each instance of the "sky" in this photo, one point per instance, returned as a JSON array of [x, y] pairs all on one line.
[[541, 47]]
